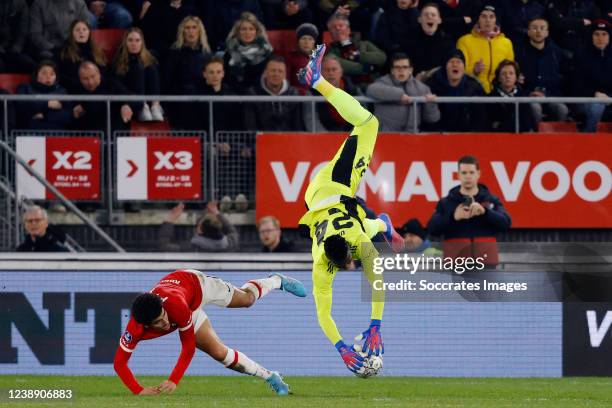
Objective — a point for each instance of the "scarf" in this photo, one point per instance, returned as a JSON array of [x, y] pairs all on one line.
[[242, 55], [488, 35]]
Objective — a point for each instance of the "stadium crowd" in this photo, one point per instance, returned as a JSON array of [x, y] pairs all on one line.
[[389, 50]]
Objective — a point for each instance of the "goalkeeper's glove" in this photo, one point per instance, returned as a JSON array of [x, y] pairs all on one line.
[[351, 358], [373, 339]]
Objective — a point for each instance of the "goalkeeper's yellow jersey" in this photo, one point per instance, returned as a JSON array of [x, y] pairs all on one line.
[[347, 220]]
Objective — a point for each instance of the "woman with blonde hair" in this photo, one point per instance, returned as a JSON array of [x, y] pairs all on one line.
[[184, 65], [246, 53], [79, 47], [137, 70]]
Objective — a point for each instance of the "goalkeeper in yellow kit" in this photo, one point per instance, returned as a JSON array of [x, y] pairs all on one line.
[[339, 230]]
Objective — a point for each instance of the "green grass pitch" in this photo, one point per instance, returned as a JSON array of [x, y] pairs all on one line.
[[323, 392]]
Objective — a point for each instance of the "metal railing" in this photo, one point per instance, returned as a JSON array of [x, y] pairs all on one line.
[[213, 137]]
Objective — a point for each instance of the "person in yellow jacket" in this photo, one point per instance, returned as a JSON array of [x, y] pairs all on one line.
[[485, 47]]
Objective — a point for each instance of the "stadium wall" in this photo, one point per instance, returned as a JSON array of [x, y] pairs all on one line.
[[66, 317]]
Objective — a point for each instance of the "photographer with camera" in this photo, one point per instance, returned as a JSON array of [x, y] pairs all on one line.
[[469, 217]]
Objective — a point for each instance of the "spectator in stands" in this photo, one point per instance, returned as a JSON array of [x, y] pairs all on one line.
[[572, 20], [227, 115], [485, 47], [543, 64], [360, 59], [14, 29], [271, 235], [359, 12], [394, 108], [213, 232], [183, 69], [274, 116], [515, 16], [451, 80], [138, 71], [430, 45], [92, 115], [415, 237], [286, 14], [594, 65], [327, 117], [502, 116], [397, 26], [79, 47], [110, 13], [159, 21], [247, 50], [459, 15], [40, 237], [306, 35], [220, 18], [47, 115], [469, 217], [50, 22]]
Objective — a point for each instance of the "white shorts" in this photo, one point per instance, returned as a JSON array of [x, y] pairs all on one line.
[[215, 291]]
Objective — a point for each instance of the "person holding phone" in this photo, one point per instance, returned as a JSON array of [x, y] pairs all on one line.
[[470, 216]]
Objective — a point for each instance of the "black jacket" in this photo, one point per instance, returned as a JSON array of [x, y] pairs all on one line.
[[283, 246], [502, 116], [14, 25], [494, 220], [429, 51], [395, 29], [274, 116], [453, 17], [58, 119], [183, 70], [69, 70], [458, 117], [593, 71], [514, 15], [52, 241], [95, 112], [544, 69]]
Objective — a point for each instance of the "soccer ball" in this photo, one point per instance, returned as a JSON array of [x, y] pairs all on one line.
[[371, 366]]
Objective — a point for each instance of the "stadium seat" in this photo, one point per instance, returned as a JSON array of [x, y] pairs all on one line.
[[557, 127], [108, 39], [283, 41], [604, 127], [10, 82], [138, 126]]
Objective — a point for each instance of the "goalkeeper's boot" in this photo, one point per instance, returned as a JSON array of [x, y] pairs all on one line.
[[312, 71], [394, 239], [277, 384], [291, 285]]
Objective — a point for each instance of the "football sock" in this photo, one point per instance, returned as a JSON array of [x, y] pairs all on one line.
[[237, 361], [347, 106], [261, 287]]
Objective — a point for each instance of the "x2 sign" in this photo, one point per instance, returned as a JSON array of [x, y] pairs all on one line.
[[159, 168], [70, 164]]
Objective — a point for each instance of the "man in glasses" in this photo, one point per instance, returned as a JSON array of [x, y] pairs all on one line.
[[39, 237]]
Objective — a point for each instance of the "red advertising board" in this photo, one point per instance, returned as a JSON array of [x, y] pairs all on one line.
[[71, 164], [544, 180], [159, 168]]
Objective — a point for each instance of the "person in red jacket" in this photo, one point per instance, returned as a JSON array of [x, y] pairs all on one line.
[[176, 302]]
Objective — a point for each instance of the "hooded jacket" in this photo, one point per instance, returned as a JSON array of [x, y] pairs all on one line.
[[50, 21], [274, 116], [494, 220], [393, 116], [492, 51]]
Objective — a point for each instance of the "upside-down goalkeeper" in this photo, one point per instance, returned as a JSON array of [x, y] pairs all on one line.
[[339, 230]]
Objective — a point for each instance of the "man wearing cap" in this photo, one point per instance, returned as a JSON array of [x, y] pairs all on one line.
[[451, 80], [306, 35], [415, 238], [594, 65], [485, 47]]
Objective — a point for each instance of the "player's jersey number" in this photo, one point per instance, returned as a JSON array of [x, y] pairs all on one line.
[[341, 221]]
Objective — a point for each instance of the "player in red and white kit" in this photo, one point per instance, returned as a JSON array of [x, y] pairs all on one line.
[[176, 302]]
